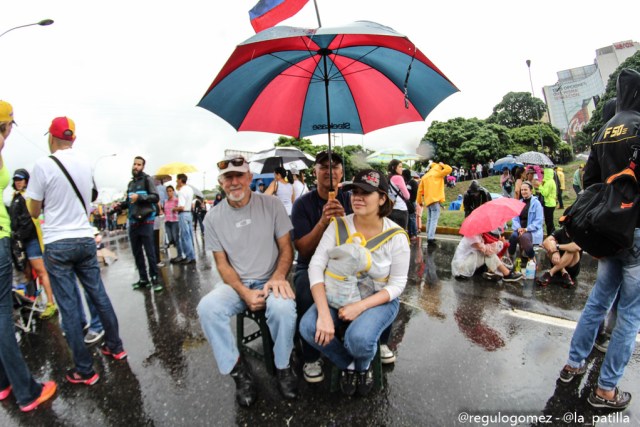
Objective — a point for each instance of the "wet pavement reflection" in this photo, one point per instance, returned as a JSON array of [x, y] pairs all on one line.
[[484, 348]]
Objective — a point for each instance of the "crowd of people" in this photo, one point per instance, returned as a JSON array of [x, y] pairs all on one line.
[[357, 234]]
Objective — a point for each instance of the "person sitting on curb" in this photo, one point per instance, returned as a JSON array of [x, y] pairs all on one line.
[[475, 252], [474, 197], [564, 256]]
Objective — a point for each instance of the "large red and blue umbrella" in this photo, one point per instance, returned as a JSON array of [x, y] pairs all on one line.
[[351, 79]]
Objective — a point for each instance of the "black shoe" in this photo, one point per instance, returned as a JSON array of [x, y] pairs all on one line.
[[140, 284], [512, 277], [602, 342], [620, 401], [567, 375], [156, 285], [176, 260], [245, 390], [287, 383], [348, 382], [365, 382], [431, 243], [188, 261]]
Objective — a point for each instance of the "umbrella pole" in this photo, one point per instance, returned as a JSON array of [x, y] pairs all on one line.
[[317, 13], [324, 53]]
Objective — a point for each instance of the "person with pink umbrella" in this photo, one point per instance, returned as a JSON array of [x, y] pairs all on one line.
[[527, 226]]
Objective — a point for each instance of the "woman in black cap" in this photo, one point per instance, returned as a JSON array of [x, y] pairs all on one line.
[[380, 286]]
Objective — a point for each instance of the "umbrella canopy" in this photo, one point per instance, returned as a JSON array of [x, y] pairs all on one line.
[[196, 191], [266, 161], [162, 178], [506, 162], [534, 158], [491, 215], [300, 82], [176, 168], [385, 156]]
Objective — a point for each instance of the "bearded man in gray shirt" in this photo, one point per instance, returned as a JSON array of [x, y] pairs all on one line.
[[249, 236]]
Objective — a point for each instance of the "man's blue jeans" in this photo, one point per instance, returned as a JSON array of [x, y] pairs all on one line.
[[223, 302], [68, 260], [619, 273], [141, 236], [186, 235], [360, 341], [432, 220], [13, 369]]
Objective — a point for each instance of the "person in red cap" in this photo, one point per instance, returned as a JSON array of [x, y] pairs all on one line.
[[65, 180], [14, 373]]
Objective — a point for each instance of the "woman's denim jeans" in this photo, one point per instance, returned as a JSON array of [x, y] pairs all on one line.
[[432, 220], [360, 341], [13, 369]]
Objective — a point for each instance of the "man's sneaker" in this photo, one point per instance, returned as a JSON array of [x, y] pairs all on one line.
[[121, 355], [386, 355], [48, 390], [140, 284], [186, 261], [567, 374], [348, 382], [312, 371], [76, 377], [4, 393], [492, 277], [287, 383], [512, 276], [545, 279], [50, 310], [93, 337], [567, 281], [621, 400], [156, 285], [160, 264], [245, 390], [176, 260], [365, 382], [602, 342]]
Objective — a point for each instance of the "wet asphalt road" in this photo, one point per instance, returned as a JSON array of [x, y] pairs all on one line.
[[481, 348]]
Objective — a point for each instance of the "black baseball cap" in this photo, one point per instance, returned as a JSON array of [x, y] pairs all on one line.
[[324, 155], [369, 180]]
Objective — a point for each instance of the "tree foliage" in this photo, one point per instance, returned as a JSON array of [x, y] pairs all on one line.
[[596, 122], [517, 109]]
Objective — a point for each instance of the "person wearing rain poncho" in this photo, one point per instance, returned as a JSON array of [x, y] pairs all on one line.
[[364, 319], [476, 251]]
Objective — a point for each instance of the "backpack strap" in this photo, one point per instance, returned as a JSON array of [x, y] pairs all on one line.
[[342, 230], [379, 240]]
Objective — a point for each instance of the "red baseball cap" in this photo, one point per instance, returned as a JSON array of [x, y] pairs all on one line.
[[63, 128]]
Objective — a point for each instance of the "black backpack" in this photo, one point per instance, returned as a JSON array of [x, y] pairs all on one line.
[[603, 218]]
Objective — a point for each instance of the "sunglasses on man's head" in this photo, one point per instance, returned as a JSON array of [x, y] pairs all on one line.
[[223, 164]]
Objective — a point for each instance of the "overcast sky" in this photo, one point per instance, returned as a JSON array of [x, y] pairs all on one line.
[[130, 73]]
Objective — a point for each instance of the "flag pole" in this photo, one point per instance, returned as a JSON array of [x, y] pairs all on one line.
[[315, 3]]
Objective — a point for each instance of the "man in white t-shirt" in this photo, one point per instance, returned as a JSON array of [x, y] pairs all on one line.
[[69, 246], [186, 254], [249, 236]]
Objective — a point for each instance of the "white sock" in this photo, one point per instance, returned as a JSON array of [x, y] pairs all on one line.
[[352, 366]]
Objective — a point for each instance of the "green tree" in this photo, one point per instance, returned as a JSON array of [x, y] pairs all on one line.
[[462, 141], [527, 138], [596, 122], [517, 109]]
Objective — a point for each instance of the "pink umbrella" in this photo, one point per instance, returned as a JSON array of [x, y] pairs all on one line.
[[491, 215]]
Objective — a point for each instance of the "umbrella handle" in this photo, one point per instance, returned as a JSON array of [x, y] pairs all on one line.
[[332, 195]]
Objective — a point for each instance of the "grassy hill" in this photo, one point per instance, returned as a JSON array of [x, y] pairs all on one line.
[[454, 218]]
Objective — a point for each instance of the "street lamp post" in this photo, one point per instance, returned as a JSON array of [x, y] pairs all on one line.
[[532, 96], [44, 22]]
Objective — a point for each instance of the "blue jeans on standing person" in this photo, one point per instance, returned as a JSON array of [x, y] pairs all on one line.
[[67, 261], [618, 273], [360, 342], [413, 225], [141, 236], [14, 371], [223, 302], [432, 220], [173, 234], [186, 235]]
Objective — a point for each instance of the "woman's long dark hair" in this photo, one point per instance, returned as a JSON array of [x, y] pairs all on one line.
[[285, 174], [391, 168]]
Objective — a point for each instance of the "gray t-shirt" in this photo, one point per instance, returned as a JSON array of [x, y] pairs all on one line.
[[248, 235]]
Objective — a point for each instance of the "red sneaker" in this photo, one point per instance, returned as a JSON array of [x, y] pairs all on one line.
[[118, 356], [5, 393], [48, 390], [76, 377]]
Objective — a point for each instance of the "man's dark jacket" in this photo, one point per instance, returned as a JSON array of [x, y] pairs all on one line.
[[475, 196], [144, 186]]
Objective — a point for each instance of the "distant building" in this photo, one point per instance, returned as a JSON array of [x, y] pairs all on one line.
[[572, 99]]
